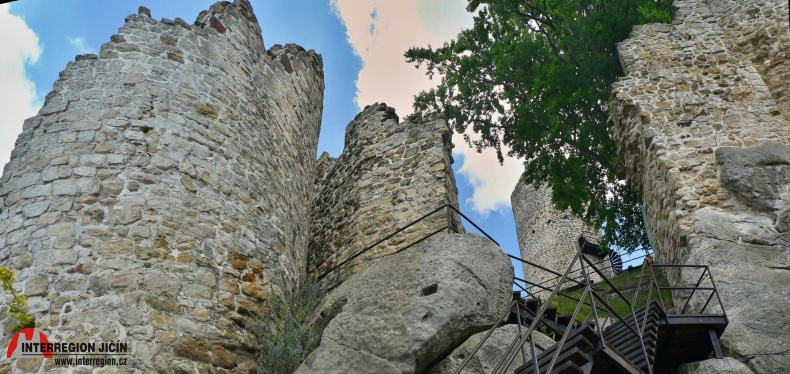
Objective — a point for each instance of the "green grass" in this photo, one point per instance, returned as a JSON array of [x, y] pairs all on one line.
[[622, 282]]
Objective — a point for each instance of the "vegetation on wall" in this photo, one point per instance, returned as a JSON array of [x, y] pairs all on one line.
[[535, 76], [17, 307], [283, 333]]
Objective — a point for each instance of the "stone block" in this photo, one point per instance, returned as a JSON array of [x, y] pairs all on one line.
[[125, 216], [36, 285]]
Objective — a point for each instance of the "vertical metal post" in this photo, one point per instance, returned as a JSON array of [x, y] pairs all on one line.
[[534, 354], [518, 316], [449, 220]]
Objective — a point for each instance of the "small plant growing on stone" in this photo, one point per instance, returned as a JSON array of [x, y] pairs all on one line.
[[18, 306], [282, 332]]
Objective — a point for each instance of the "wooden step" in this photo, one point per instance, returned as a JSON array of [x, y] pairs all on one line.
[[564, 319], [626, 344], [533, 304], [579, 344], [567, 367], [573, 355], [551, 313]]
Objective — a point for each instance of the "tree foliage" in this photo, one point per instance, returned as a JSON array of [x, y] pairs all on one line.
[[535, 76]]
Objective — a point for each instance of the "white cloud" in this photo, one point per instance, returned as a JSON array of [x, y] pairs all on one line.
[[18, 99], [492, 183], [380, 31], [79, 43]]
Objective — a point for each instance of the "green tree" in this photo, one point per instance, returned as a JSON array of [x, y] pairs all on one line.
[[535, 76]]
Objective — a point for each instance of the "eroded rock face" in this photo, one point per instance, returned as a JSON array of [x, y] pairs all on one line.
[[403, 311], [700, 120], [714, 366], [758, 176], [490, 353]]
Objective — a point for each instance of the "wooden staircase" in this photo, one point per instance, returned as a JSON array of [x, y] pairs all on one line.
[[674, 339], [643, 340], [576, 354], [620, 351], [623, 341]]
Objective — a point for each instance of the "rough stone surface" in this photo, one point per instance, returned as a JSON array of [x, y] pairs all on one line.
[[548, 237], [760, 31], [404, 311], [390, 174], [490, 353], [700, 120], [178, 158], [715, 366]]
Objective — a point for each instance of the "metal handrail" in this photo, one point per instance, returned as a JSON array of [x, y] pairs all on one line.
[[471, 222], [597, 263], [381, 241], [487, 335], [633, 315], [448, 226], [706, 274], [519, 341]]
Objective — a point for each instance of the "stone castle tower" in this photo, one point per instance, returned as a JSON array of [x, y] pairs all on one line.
[[701, 122], [169, 185], [389, 174], [548, 237], [161, 183]]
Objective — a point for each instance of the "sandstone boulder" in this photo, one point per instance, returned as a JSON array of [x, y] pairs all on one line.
[[758, 175], [489, 355], [404, 311], [714, 366]]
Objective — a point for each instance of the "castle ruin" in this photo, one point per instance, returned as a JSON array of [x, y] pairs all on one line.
[[701, 122], [170, 184], [549, 238]]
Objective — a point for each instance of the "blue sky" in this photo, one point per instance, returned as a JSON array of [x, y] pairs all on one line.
[[362, 43]]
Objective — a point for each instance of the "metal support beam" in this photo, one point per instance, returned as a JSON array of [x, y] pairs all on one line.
[[714, 341]]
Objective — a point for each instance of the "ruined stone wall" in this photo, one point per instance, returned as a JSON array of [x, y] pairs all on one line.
[[389, 174], [760, 31], [548, 237], [163, 190], [700, 120]]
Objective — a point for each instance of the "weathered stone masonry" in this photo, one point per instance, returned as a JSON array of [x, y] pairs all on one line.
[[163, 190], [389, 174], [700, 120], [548, 237]]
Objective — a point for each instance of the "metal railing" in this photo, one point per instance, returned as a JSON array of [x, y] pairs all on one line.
[[450, 226], [596, 264], [704, 275], [590, 297]]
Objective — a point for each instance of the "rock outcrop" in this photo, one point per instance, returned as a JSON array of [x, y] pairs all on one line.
[[727, 365], [490, 353], [700, 120], [404, 311]]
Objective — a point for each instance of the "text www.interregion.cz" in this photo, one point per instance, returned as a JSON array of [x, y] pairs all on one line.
[[90, 361]]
